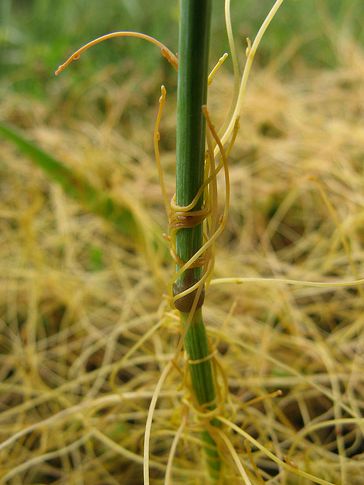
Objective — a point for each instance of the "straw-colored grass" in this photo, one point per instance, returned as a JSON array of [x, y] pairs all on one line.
[[85, 337]]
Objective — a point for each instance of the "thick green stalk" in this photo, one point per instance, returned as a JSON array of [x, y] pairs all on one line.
[[195, 19]]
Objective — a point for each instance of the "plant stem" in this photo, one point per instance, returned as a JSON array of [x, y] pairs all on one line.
[[202, 381], [194, 35], [192, 94]]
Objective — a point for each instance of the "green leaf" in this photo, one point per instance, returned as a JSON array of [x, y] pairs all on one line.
[[76, 186]]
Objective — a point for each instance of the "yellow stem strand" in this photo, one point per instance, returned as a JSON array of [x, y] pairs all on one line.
[[166, 53]]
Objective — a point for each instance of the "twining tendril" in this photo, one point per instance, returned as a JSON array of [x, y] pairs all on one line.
[[180, 217], [166, 53], [156, 139], [214, 226], [239, 93]]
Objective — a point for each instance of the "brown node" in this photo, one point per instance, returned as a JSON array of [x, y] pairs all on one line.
[[187, 302]]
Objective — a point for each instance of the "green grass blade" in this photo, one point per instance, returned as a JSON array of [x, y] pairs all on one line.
[[76, 186]]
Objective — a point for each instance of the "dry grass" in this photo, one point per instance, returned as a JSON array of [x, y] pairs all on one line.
[[85, 337]]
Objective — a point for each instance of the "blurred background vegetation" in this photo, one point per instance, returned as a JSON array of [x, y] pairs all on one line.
[[37, 35]]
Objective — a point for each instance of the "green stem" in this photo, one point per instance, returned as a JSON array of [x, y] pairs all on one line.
[[202, 380], [194, 35], [191, 96]]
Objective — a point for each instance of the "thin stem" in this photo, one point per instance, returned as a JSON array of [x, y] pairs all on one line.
[[191, 96], [195, 20], [171, 58], [196, 345]]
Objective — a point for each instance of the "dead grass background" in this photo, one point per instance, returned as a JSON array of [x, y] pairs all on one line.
[[86, 330]]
